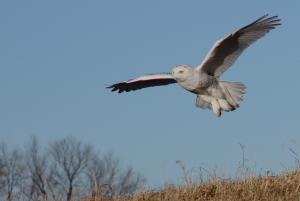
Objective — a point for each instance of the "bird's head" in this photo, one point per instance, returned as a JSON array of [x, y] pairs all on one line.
[[181, 72]]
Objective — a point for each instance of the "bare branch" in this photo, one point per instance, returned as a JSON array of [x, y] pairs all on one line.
[[70, 158]]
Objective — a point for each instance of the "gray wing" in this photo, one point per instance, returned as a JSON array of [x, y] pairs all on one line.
[[150, 80], [225, 51]]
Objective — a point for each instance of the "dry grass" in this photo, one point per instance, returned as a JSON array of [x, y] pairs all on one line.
[[268, 188]]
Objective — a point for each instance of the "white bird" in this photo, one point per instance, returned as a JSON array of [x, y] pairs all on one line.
[[203, 80]]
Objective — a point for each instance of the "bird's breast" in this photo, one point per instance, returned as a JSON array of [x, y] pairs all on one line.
[[187, 85], [197, 82]]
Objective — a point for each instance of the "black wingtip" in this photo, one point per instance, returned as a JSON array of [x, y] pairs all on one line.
[[267, 18], [111, 87], [115, 87]]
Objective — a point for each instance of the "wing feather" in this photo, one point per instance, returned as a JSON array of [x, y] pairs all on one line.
[[226, 51], [150, 80]]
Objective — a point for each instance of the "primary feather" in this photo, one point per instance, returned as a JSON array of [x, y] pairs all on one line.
[[150, 80], [226, 51]]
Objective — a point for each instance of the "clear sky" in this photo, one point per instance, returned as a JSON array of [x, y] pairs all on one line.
[[57, 57]]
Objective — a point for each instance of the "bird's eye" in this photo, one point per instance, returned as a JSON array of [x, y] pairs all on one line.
[[181, 71]]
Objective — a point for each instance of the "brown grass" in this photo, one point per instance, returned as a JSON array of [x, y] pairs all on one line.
[[269, 188]]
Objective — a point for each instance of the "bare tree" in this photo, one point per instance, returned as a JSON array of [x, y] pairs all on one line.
[[102, 173], [129, 182], [1, 173], [39, 183], [12, 172], [69, 158], [67, 170], [105, 173]]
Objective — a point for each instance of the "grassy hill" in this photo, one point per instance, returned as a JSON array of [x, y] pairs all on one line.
[[268, 188]]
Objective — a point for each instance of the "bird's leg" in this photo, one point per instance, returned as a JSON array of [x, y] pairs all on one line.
[[224, 105], [216, 107]]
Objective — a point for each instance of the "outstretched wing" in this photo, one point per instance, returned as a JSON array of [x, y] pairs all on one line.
[[150, 80], [225, 51]]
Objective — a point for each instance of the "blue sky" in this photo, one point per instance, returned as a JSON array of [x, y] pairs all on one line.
[[57, 57]]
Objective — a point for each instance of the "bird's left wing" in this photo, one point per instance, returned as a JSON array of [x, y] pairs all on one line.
[[150, 80], [225, 51]]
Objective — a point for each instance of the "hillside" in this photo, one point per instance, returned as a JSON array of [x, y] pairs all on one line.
[[271, 188]]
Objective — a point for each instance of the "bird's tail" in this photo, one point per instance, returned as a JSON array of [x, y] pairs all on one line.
[[233, 91]]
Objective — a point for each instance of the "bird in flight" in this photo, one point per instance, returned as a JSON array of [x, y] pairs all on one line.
[[203, 80]]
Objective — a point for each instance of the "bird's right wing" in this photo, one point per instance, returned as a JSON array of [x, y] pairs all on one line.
[[226, 51], [150, 80]]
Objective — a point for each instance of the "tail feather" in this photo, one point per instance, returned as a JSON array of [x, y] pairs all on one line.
[[227, 97], [233, 91]]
